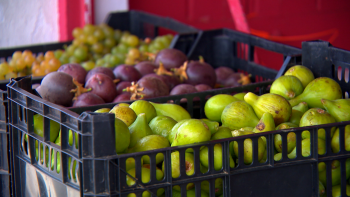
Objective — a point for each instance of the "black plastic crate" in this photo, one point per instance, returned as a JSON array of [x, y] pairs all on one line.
[[102, 170], [138, 23]]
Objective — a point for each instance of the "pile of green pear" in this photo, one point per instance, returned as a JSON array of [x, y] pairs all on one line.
[[296, 99]]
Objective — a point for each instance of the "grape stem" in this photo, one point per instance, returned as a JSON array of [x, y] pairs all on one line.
[[79, 90]]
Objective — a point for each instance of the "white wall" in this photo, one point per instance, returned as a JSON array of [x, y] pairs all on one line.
[[25, 22], [103, 7]]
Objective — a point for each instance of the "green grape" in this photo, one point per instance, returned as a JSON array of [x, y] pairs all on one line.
[[89, 29], [96, 56], [114, 60], [109, 42], [129, 48], [143, 48], [106, 57], [4, 68], [114, 50], [88, 65], [99, 34], [108, 31], [91, 39], [80, 53], [108, 65], [58, 53], [121, 57], [117, 35], [100, 62], [97, 47], [76, 32], [64, 59], [134, 53], [123, 38], [159, 45], [70, 50], [122, 48], [129, 61], [132, 40], [152, 48], [166, 42], [74, 59], [170, 37]]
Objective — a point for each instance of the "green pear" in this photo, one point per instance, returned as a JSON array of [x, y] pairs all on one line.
[[212, 125], [142, 106], [291, 142], [238, 114], [287, 86], [203, 169], [222, 133], [274, 104], [216, 104], [73, 172], [126, 114], [336, 172], [190, 193], [162, 125], [218, 159], [305, 148], [145, 178], [321, 167], [339, 108], [336, 190], [103, 110], [302, 107], [139, 129], [173, 131], [304, 74], [295, 117], [150, 142], [123, 104], [175, 164], [316, 116], [122, 136], [240, 96], [335, 140], [286, 125], [174, 111], [190, 132], [130, 163], [218, 186], [248, 146], [39, 127], [321, 189], [266, 123], [264, 157], [319, 88]]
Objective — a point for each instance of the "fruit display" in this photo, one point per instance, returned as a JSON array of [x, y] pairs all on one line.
[[145, 125]]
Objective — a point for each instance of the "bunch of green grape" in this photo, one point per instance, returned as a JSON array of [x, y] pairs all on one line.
[[90, 43], [101, 45]]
